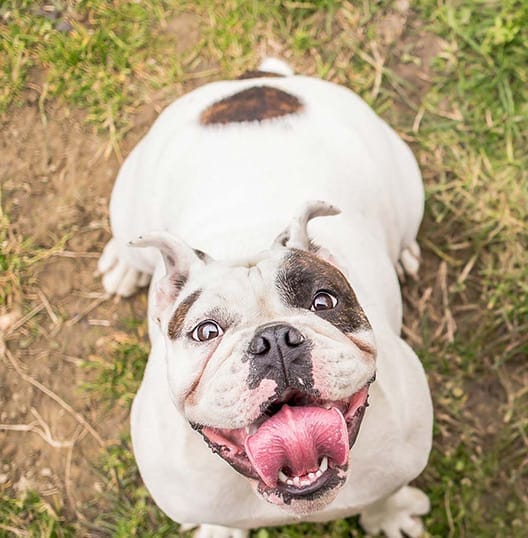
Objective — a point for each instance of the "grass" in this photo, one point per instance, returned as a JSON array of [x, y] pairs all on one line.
[[466, 117], [34, 516], [132, 511], [473, 137], [117, 377], [17, 256]]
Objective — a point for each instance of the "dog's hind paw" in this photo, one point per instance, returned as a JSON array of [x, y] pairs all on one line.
[[118, 276], [216, 531], [409, 262], [397, 516]]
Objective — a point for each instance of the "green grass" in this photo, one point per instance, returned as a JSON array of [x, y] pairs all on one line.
[[116, 377], [129, 509], [92, 55], [469, 130], [473, 137], [30, 515]]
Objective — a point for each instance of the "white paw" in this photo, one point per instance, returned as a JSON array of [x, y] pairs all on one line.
[[216, 531], [397, 516], [409, 262], [118, 276]]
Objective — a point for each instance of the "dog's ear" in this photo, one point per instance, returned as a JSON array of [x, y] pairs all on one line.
[[178, 258], [296, 234]]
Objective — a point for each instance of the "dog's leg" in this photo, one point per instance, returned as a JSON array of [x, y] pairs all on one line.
[[397, 516], [409, 262], [216, 531], [118, 276]]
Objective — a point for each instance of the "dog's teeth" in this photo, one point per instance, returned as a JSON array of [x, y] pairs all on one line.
[[327, 406], [305, 482], [324, 465], [311, 476], [283, 477], [296, 481], [318, 473], [289, 482], [251, 429]]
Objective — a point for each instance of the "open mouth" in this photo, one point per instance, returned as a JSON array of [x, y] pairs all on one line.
[[297, 448]]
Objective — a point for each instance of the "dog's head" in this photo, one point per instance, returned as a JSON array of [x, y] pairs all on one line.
[[270, 359]]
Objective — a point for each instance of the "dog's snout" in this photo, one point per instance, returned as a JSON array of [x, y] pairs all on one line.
[[281, 352], [271, 336], [293, 337], [260, 345]]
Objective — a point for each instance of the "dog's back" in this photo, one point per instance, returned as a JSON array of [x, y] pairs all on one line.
[[233, 155]]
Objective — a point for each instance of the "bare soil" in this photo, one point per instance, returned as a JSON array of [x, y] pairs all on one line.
[[56, 176], [56, 183]]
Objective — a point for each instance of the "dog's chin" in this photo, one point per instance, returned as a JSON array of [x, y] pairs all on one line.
[[308, 500], [296, 453]]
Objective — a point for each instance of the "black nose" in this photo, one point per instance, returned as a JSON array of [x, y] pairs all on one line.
[[280, 352], [282, 336]]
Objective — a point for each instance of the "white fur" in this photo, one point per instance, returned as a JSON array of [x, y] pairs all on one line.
[[229, 190], [274, 65]]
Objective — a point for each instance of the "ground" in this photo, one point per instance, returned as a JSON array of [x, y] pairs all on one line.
[[80, 84]]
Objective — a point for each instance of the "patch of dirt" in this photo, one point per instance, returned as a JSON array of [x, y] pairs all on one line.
[[56, 177], [416, 51], [409, 49], [56, 182], [183, 31]]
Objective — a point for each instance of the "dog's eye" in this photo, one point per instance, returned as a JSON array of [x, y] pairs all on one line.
[[207, 330], [323, 300]]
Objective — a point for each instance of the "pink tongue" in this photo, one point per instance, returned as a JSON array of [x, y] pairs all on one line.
[[297, 438]]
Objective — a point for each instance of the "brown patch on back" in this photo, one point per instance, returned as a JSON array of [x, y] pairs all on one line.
[[178, 318], [255, 73], [253, 104]]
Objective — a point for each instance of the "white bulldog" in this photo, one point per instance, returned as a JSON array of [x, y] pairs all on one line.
[[266, 349]]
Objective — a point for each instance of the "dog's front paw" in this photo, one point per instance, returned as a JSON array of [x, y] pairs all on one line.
[[216, 531], [118, 276], [397, 516], [409, 262]]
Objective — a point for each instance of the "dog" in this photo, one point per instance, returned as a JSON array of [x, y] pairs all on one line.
[[284, 210]]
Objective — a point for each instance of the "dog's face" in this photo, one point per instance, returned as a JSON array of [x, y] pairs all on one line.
[[270, 360]]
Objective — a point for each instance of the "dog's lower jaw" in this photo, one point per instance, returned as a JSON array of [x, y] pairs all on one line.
[[300, 506]]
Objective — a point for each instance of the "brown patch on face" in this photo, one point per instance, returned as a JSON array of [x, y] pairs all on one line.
[[178, 318], [255, 73], [178, 281], [303, 274], [253, 104]]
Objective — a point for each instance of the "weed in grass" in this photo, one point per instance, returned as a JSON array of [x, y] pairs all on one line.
[[116, 376], [30, 515]]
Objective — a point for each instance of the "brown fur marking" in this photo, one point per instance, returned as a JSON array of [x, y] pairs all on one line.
[[178, 318], [302, 274], [255, 73], [253, 104]]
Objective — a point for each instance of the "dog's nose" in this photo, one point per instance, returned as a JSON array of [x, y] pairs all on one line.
[[282, 336], [282, 353]]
